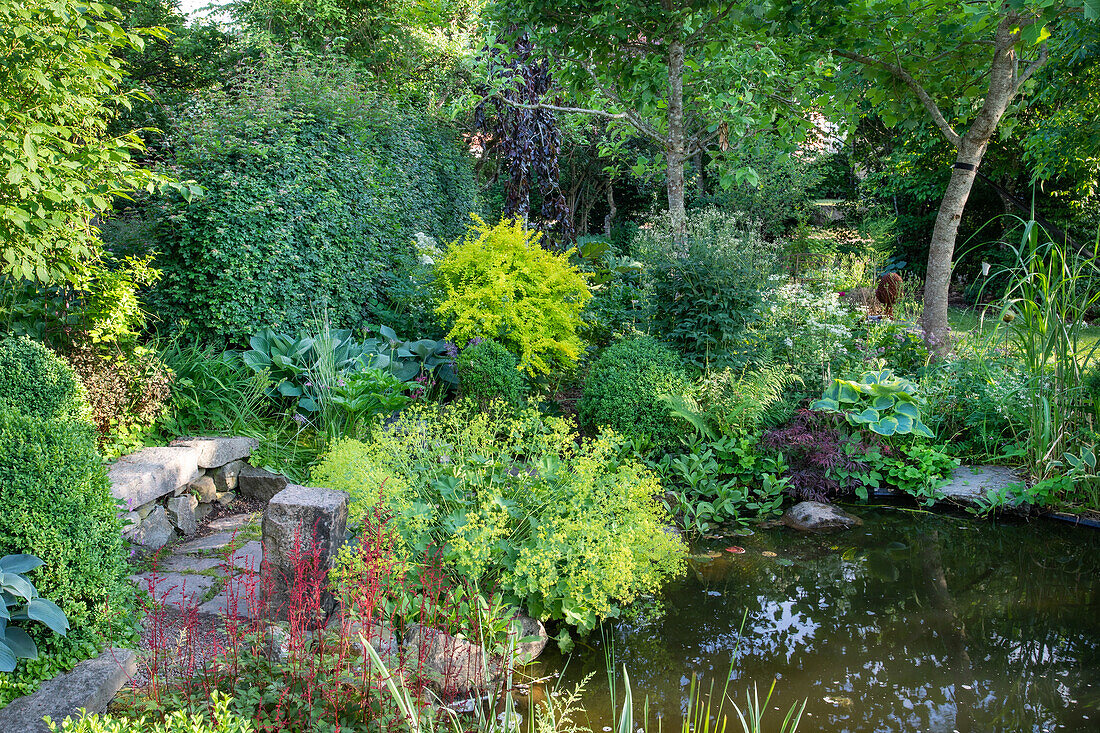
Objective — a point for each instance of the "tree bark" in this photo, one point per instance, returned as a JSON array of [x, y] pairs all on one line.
[[611, 208], [1003, 85], [674, 150]]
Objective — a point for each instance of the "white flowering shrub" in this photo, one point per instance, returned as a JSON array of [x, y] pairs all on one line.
[[809, 328]]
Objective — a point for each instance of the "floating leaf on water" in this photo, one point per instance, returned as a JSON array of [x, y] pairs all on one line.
[[735, 550], [768, 553], [785, 561], [742, 532], [897, 546]]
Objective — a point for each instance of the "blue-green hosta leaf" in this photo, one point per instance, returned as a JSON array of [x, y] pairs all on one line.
[[919, 428], [17, 585], [882, 402], [256, 361], [308, 404], [46, 611], [848, 393], [7, 658], [287, 389], [905, 423], [406, 370], [866, 417], [20, 643], [19, 563], [825, 405], [908, 409], [422, 348], [832, 393], [885, 426], [260, 343], [388, 334]]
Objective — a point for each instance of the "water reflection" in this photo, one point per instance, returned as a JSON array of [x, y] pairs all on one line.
[[912, 623]]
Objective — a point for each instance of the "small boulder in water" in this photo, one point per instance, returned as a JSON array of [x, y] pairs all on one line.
[[815, 516]]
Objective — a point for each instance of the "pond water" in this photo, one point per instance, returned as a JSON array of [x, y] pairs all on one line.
[[913, 622]]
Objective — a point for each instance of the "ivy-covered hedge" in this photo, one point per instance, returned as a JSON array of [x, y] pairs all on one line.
[[314, 190]]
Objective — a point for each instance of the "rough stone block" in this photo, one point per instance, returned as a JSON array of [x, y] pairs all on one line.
[[214, 452], [181, 510], [257, 483], [227, 498], [155, 531], [225, 477], [151, 473], [90, 685], [299, 521], [205, 488]]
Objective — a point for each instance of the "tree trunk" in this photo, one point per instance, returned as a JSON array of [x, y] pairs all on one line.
[[611, 208], [674, 150], [971, 150], [701, 173]]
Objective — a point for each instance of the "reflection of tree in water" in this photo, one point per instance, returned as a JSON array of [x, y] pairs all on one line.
[[959, 625]]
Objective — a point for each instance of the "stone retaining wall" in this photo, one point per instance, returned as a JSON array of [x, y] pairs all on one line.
[[168, 491]]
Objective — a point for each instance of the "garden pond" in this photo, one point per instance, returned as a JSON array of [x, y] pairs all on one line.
[[912, 622]]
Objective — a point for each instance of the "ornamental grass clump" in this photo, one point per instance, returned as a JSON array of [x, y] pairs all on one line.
[[499, 283]]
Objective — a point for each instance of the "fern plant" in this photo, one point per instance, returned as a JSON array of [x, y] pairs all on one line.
[[499, 283], [727, 403]]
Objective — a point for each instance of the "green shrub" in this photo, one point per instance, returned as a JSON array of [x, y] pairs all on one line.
[[571, 533], [705, 283], [499, 283], [127, 393], [221, 719], [56, 504], [35, 381], [624, 388], [488, 371], [314, 191]]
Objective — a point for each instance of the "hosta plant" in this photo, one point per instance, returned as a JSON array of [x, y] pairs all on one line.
[[21, 602], [301, 366], [880, 401]]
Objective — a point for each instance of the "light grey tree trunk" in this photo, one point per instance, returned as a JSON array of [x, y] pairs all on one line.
[[971, 149], [675, 149]]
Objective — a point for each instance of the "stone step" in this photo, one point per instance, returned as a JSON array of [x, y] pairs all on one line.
[[175, 589]]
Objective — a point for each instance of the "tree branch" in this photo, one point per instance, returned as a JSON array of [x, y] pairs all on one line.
[[906, 78], [1034, 66]]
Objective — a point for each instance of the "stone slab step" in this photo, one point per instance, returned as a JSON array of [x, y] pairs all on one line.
[[90, 685], [175, 589], [210, 543]]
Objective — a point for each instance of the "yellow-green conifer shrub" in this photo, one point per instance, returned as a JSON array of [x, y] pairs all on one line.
[[500, 283]]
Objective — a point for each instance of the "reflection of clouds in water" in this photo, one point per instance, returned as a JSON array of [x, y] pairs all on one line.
[[784, 629]]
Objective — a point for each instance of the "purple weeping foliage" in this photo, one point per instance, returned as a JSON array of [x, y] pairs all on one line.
[[526, 141]]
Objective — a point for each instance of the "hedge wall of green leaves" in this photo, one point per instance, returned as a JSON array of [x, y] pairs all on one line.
[[56, 503], [314, 190]]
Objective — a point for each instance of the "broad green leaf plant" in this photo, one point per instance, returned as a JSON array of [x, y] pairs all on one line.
[[21, 602], [880, 401]]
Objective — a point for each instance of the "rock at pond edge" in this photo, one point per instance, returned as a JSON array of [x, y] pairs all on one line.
[[816, 516]]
